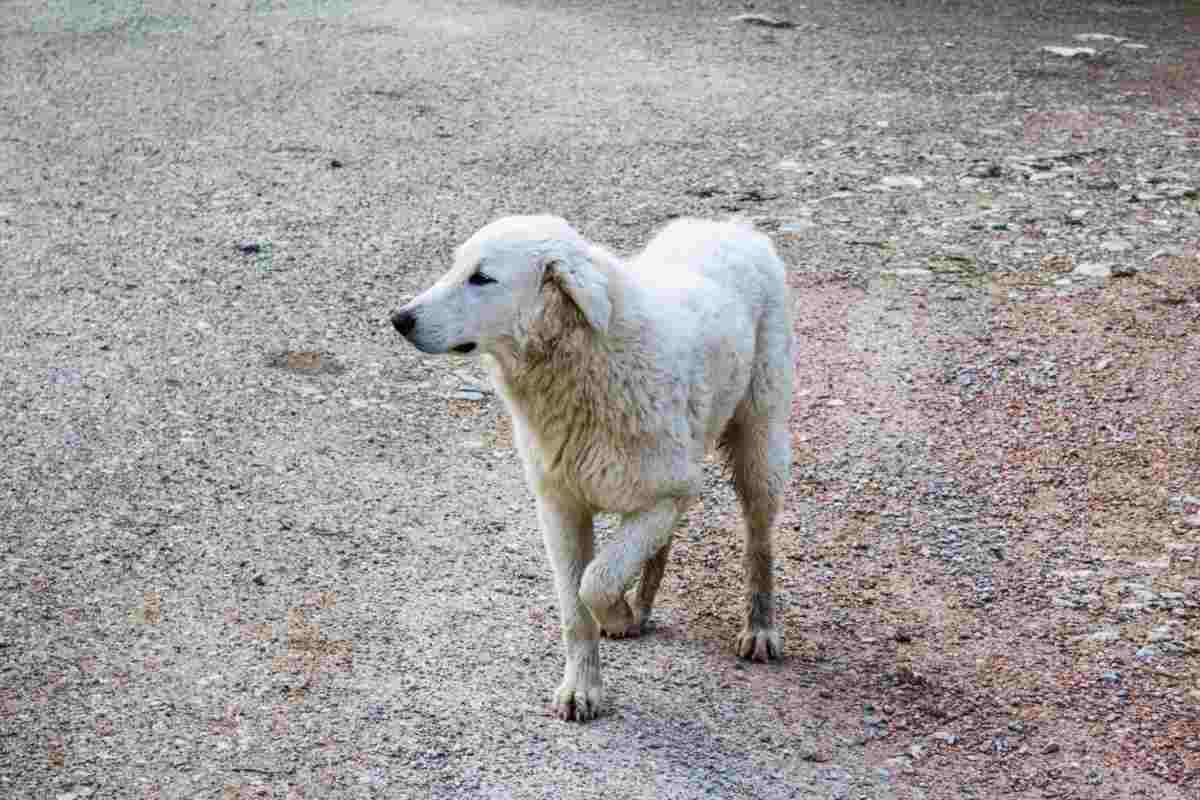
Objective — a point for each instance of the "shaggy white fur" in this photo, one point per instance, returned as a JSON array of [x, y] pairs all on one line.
[[620, 377]]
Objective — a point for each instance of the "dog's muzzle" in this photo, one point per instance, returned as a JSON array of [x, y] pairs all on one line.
[[404, 322]]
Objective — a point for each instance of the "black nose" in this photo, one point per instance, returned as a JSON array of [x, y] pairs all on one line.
[[404, 322]]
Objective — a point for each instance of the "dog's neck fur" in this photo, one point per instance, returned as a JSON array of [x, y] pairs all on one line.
[[562, 376], [557, 357]]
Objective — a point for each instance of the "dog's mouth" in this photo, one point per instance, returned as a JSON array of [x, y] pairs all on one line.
[[464, 348]]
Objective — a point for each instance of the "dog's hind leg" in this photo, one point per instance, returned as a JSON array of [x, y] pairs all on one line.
[[759, 455], [757, 444], [568, 535], [641, 599]]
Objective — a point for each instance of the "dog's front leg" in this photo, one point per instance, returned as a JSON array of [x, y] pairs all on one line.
[[642, 536], [567, 530]]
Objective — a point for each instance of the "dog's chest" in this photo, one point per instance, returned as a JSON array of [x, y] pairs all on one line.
[[563, 455]]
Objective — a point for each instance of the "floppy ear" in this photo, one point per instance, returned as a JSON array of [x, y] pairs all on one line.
[[587, 286]]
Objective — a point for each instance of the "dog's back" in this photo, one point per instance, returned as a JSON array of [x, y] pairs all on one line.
[[730, 254]]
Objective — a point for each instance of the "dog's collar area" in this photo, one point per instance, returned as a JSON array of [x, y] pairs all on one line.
[[464, 348]]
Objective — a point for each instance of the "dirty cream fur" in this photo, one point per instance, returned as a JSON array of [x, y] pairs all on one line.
[[620, 377]]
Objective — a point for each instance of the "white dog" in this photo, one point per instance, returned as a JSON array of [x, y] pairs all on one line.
[[619, 377]]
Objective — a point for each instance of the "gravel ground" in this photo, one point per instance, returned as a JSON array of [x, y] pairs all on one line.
[[255, 548]]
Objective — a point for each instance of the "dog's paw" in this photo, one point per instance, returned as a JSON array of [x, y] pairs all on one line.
[[632, 630], [578, 702], [759, 644], [624, 621], [616, 619]]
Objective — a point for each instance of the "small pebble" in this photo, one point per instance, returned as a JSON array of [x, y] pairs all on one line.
[[763, 20], [901, 182], [984, 170], [1160, 634], [799, 227], [1093, 269], [1165, 252], [1070, 52]]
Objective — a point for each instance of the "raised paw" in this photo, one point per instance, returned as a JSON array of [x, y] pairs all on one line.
[[759, 644], [623, 620], [631, 630], [577, 702]]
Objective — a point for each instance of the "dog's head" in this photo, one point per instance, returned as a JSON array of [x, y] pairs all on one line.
[[505, 280]]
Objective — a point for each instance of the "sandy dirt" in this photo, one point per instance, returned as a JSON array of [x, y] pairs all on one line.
[[254, 547]]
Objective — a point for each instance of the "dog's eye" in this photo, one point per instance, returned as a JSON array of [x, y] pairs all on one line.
[[479, 279]]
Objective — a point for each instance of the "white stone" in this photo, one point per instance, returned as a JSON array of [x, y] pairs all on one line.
[[1070, 52], [1105, 635], [763, 20], [1162, 633], [1093, 269], [1164, 252], [902, 182], [1098, 37]]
